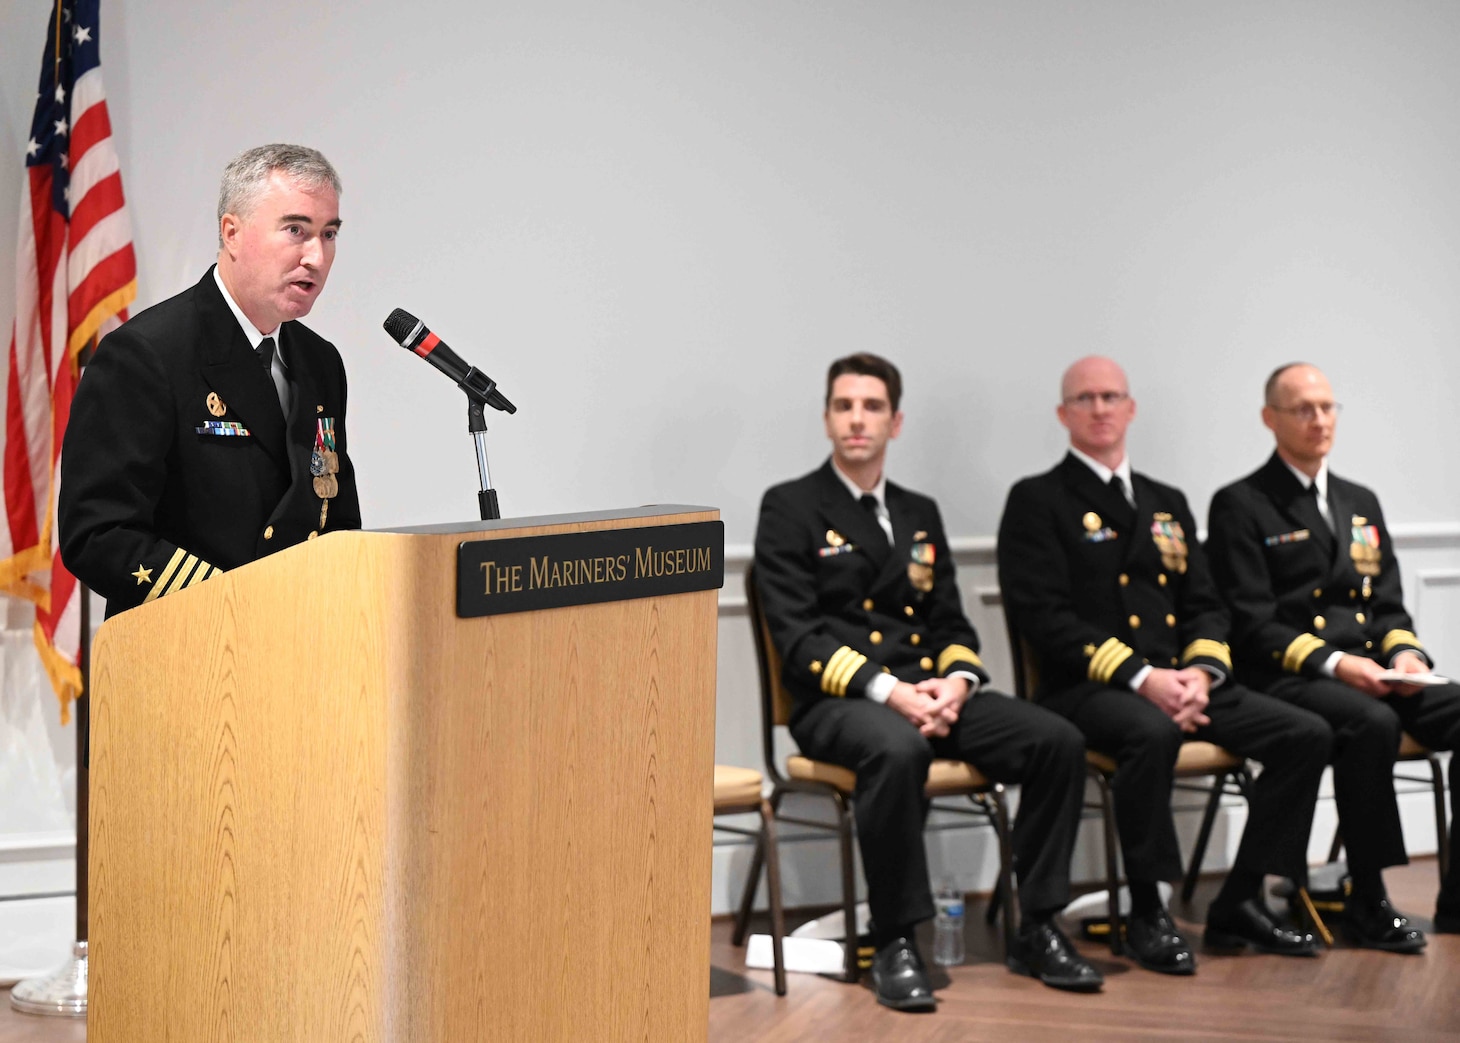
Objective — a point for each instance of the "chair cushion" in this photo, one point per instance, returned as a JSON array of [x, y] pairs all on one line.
[[945, 778], [1205, 758], [736, 787], [1410, 749], [1195, 758]]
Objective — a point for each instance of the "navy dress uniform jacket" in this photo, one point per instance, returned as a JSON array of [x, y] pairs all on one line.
[[153, 499], [842, 605], [1100, 590], [1298, 592]]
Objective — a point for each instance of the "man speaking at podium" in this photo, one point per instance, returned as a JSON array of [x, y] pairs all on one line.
[[209, 430]]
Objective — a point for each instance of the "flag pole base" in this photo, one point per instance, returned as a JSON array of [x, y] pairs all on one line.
[[61, 993]]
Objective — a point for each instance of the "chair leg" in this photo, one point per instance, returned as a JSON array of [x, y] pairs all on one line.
[[1442, 835], [1193, 869], [752, 880], [767, 842], [996, 901], [852, 971], [996, 898], [1112, 874], [1005, 893]]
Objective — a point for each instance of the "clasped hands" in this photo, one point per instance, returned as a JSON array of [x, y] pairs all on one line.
[[933, 705], [1181, 695]]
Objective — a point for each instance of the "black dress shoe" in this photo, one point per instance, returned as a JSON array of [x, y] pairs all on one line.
[[1157, 945], [899, 979], [1373, 924], [1041, 951], [1251, 923]]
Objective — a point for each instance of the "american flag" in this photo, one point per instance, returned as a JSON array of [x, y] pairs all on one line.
[[75, 276]]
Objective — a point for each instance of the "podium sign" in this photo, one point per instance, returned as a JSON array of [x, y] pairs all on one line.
[[584, 568]]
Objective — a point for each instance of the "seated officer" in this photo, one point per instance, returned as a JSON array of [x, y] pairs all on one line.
[[859, 590], [1308, 568], [1101, 575]]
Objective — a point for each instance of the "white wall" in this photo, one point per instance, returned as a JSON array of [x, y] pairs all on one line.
[[655, 223]]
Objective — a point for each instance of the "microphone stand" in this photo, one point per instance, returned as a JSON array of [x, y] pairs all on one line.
[[476, 423], [481, 392]]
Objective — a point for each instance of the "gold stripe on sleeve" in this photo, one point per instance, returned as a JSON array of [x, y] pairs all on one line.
[[840, 668], [1203, 646], [156, 591], [853, 663], [1299, 650], [1399, 637], [957, 654], [1108, 658], [202, 572], [180, 577]]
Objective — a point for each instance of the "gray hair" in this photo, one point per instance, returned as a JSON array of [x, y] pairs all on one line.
[[244, 179]]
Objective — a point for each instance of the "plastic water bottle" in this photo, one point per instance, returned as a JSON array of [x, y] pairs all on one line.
[[948, 925]]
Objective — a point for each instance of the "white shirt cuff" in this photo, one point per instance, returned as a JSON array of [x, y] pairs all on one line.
[[1219, 678], [879, 689], [973, 679], [1330, 665], [1140, 677]]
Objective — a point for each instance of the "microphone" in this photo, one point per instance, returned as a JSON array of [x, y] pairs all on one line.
[[411, 333]]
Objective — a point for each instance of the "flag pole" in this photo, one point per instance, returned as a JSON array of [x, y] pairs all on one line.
[[62, 993]]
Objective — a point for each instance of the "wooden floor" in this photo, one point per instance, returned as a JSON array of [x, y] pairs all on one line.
[[1344, 994]]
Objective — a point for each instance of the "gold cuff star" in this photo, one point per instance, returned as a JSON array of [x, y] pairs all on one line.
[[143, 574]]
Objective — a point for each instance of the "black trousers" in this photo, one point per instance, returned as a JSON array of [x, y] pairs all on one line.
[[1291, 744], [1007, 739], [1366, 741]]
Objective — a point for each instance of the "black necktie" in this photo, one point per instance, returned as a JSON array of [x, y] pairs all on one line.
[[265, 352], [1319, 504], [869, 503], [1118, 484]]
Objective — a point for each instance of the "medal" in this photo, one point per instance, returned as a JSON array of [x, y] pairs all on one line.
[[1364, 548], [215, 404], [324, 462], [1170, 541], [324, 510], [1091, 521]]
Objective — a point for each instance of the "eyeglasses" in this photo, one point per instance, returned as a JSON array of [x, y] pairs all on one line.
[[1087, 399], [1310, 411]]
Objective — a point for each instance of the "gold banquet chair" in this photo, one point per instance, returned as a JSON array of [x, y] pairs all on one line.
[[739, 791], [1196, 760], [946, 778]]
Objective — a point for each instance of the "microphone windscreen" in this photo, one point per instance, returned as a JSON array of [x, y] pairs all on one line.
[[400, 324]]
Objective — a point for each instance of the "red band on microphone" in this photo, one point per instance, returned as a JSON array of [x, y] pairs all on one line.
[[424, 348]]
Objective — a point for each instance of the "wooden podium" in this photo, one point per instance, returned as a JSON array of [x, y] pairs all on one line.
[[324, 807]]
